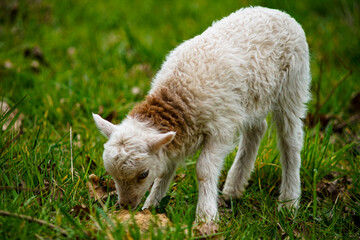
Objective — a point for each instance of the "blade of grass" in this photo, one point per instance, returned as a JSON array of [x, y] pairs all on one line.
[[32, 219]]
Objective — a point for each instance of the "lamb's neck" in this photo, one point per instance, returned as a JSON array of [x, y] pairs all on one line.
[[166, 110]]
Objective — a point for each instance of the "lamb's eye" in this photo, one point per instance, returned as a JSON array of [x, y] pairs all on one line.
[[143, 175]]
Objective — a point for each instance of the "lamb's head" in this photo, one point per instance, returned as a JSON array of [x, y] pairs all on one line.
[[132, 156]]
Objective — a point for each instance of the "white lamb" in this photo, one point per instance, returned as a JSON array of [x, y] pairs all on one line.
[[210, 92]]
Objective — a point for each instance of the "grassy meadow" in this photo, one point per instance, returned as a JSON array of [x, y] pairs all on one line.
[[62, 60]]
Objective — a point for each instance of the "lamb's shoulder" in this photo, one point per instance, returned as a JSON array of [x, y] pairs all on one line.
[[171, 109]]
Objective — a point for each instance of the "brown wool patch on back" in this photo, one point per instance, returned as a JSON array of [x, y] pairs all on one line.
[[167, 110]]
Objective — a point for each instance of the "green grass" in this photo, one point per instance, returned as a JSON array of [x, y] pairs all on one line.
[[95, 53]]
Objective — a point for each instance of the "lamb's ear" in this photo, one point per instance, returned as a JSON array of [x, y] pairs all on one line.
[[105, 127], [161, 141]]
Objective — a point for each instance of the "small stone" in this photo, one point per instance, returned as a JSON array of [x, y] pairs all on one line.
[[71, 51], [4, 107], [8, 64], [135, 91], [35, 65]]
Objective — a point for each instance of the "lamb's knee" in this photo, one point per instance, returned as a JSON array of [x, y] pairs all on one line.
[[206, 173], [208, 167]]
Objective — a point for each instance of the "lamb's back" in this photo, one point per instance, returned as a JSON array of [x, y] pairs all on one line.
[[237, 67]]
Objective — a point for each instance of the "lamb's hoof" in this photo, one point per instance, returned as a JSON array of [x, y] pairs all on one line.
[[290, 205], [150, 208], [207, 230], [227, 201], [224, 202]]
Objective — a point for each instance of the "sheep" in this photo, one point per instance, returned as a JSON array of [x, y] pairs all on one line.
[[212, 92]]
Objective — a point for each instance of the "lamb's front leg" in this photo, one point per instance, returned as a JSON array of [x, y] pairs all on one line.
[[208, 169], [160, 187]]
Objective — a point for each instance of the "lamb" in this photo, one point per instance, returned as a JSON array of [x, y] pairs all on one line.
[[214, 91]]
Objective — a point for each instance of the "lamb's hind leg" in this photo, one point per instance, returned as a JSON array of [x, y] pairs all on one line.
[[289, 111], [240, 170], [290, 138]]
